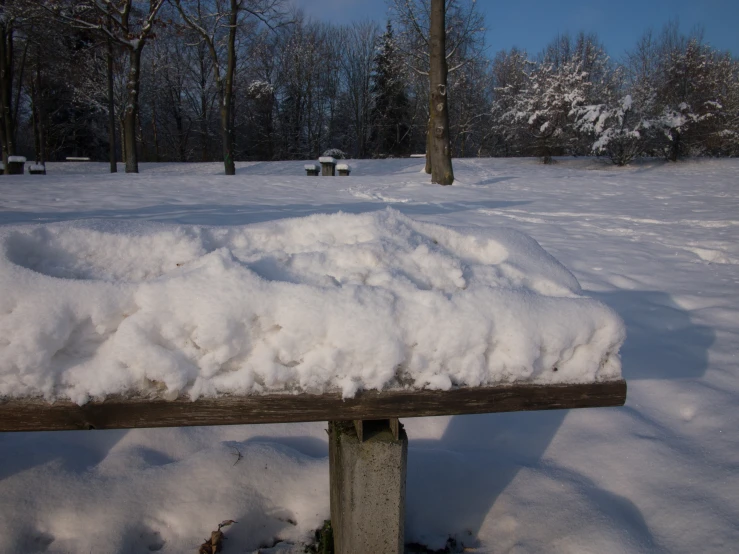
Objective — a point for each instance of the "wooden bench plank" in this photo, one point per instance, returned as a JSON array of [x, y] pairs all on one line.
[[128, 413]]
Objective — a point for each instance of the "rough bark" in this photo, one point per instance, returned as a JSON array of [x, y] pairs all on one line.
[[7, 127], [111, 107], [132, 108], [440, 154], [227, 93], [224, 80]]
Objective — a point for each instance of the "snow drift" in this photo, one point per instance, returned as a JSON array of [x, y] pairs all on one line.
[[326, 302]]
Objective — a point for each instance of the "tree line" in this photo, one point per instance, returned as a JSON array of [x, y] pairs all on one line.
[[207, 80]]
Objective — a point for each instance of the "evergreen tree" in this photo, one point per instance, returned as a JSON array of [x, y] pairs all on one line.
[[390, 113]]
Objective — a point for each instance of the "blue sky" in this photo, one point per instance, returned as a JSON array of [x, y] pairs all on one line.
[[531, 24]]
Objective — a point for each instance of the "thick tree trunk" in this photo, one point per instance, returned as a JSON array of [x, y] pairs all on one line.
[[155, 131], [440, 152], [427, 169], [141, 139], [111, 110], [129, 136], [36, 122], [111, 115], [131, 112], [37, 111], [122, 127], [204, 155]]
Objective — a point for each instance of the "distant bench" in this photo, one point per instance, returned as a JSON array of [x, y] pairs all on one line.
[[328, 167], [367, 444]]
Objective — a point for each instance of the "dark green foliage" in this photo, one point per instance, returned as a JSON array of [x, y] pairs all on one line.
[[390, 114], [323, 542]]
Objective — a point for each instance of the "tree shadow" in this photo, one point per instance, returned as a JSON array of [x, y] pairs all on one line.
[[453, 491], [222, 214], [662, 340]]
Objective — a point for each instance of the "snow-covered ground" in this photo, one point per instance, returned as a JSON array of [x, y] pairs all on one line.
[[657, 243]]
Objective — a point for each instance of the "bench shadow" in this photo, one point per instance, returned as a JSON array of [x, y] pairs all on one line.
[[74, 451], [454, 482]]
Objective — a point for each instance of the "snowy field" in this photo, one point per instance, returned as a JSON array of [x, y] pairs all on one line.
[[658, 243]]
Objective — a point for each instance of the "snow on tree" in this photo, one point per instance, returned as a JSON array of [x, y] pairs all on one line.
[[617, 130], [510, 78], [390, 111], [544, 106], [688, 92]]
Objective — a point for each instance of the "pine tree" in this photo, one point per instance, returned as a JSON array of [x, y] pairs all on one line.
[[390, 113]]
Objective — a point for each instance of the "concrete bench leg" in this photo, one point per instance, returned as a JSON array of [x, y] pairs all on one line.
[[368, 461]]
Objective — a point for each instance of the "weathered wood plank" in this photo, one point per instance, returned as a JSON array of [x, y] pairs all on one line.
[[127, 413]]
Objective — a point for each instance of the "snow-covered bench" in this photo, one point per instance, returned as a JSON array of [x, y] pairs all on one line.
[[312, 169], [328, 166], [393, 318], [367, 444], [344, 169], [37, 169], [16, 165]]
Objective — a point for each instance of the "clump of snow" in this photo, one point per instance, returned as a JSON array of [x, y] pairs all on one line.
[[311, 166], [36, 167], [327, 160], [18, 159], [335, 153], [344, 167], [325, 302]]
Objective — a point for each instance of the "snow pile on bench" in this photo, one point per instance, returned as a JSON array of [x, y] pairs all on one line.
[[327, 302]]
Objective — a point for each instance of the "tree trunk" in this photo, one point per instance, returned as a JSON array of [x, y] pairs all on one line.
[[36, 122], [227, 93], [132, 108], [122, 128], [155, 131], [7, 131], [39, 116], [204, 155], [141, 139], [129, 136], [440, 152], [111, 110], [427, 169]]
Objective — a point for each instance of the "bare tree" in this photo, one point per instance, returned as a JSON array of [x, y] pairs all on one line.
[[129, 26], [356, 67], [462, 27], [11, 72], [210, 26], [440, 153]]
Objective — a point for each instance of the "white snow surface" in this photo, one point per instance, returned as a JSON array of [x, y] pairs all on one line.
[[658, 243], [324, 302]]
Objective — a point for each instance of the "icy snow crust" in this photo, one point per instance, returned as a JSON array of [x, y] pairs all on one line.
[[325, 302]]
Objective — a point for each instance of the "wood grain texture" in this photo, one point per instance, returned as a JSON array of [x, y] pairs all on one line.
[[128, 413]]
